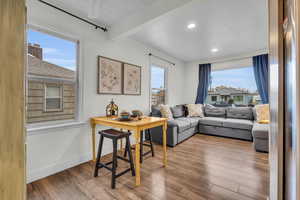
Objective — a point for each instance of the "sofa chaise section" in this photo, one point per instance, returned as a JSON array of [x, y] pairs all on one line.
[[260, 134]]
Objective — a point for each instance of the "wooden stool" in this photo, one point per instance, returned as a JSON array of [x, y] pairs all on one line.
[[115, 136], [148, 138]]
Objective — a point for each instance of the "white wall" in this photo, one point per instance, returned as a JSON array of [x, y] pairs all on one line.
[[53, 150], [192, 68]]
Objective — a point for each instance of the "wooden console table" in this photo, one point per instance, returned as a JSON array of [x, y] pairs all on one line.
[[136, 127]]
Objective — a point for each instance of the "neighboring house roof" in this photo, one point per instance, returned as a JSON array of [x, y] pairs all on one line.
[[41, 68], [224, 90]]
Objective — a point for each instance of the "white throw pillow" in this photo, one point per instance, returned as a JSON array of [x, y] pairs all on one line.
[[195, 110], [166, 111], [263, 113]]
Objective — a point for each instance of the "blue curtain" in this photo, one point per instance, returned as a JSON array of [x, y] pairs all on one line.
[[204, 81], [261, 68]]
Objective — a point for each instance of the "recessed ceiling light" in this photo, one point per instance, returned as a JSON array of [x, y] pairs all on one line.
[[214, 50], [191, 26]]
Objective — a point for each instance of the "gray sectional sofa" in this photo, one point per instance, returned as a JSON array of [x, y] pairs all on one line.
[[230, 122]]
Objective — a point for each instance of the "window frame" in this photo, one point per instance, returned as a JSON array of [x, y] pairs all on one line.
[[61, 97], [78, 81], [166, 71]]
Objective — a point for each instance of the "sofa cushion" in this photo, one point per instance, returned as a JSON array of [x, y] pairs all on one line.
[[194, 121], [260, 130], [214, 112], [240, 113], [182, 124], [178, 111], [155, 111], [238, 124], [212, 121]]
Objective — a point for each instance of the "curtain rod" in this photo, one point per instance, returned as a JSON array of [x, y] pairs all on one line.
[[75, 16], [150, 54]]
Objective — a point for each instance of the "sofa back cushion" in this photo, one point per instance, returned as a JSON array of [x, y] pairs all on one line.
[[240, 113], [214, 112], [178, 111], [155, 111]]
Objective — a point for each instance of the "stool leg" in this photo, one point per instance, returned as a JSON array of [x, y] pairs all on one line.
[[98, 156], [141, 146], [128, 149], [114, 164], [125, 152], [150, 139]]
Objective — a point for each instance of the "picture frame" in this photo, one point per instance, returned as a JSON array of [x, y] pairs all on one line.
[[110, 76], [132, 75]]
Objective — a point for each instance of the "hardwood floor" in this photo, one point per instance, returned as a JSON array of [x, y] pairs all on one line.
[[203, 167]]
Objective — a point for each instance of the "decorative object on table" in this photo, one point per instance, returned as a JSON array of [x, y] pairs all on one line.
[[137, 113], [125, 116], [132, 79], [112, 109], [109, 76]]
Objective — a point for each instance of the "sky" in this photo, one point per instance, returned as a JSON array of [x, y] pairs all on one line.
[[239, 78], [55, 50], [157, 77]]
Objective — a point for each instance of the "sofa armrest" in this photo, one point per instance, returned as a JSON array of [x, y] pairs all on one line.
[[172, 135]]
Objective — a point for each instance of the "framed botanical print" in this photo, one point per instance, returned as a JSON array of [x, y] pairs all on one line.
[[109, 76], [132, 79]]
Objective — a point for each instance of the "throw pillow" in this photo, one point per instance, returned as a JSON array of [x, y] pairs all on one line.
[[263, 113], [195, 110], [166, 112], [178, 111]]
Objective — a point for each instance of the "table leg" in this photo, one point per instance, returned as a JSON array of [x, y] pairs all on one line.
[[121, 143], [94, 142], [165, 144], [137, 135]]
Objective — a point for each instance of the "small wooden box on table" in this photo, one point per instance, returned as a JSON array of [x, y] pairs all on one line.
[[136, 127]]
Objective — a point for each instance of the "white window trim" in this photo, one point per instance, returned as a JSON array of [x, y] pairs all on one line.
[[166, 82], [79, 83]]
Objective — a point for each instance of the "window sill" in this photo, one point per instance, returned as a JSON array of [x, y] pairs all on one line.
[[37, 130]]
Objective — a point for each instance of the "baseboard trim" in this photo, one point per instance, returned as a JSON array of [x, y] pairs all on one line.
[[55, 168]]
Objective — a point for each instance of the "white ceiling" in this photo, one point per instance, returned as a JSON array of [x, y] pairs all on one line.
[[235, 27], [110, 11]]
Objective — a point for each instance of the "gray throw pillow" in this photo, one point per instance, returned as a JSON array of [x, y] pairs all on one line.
[[155, 111], [178, 111], [214, 112]]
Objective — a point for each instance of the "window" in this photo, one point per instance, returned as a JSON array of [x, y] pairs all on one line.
[[238, 98], [158, 85], [53, 97], [52, 77], [213, 98], [233, 86]]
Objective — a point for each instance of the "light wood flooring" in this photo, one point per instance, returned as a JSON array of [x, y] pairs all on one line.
[[202, 167]]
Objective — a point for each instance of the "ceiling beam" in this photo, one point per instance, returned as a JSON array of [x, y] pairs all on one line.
[[136, 21]]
